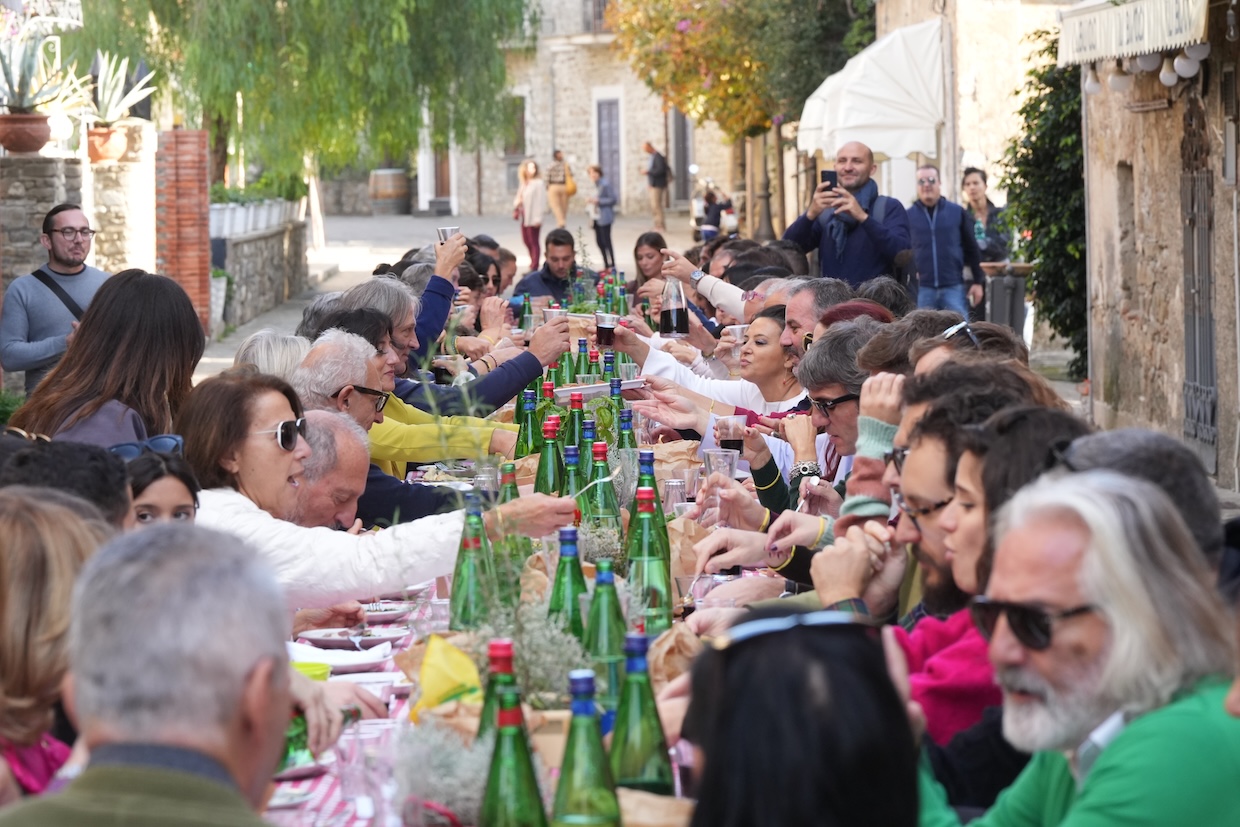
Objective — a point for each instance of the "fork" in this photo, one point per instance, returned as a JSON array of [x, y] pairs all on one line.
[[356, 639]]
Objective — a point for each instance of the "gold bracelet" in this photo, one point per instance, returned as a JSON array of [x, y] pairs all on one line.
[[782, 565], [822, 532], [770, 484], [711, 410], [766, 521]]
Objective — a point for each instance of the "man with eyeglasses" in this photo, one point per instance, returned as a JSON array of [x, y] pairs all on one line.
[[41, 311], [943, 245]]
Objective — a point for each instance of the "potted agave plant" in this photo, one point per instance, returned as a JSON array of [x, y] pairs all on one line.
[[106, 141], [28, 82]]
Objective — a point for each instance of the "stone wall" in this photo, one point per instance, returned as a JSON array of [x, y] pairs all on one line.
[[345, 196], [30, 185], [265, 269], [124, 204]]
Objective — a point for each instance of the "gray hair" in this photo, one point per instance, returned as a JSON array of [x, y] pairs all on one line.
[[315, 313], [417, 276], [391, 297], [336, 359], [827, 293], [166, 626], [1166, 462], [324, 430], [1145, 575], [832, 360], [272, 352]]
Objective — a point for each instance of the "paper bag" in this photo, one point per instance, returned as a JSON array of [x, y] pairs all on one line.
[[410, 660], [506, 414], [671, 655], [642, 809], [527, 469], [535, 579], [447, 674], [464, 717], [549, 735], [682, 534], [676, 456]]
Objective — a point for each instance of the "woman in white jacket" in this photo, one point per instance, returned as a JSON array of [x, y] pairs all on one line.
[[243, 436]]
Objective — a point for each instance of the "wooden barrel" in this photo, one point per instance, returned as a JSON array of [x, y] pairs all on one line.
[[389, 192]]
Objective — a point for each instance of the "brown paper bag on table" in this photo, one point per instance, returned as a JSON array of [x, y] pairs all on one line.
[[549, 735], [505, 414], [527, 469], [675, 456], [642, 809], [578, 328], [464, 717], [682, 535], [671, 655]]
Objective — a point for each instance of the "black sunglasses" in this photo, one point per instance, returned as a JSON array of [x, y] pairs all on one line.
[[965, 327], [896, 456], [381, 397], [1032, 625], [287, 432], [159, 444], [828, 405]]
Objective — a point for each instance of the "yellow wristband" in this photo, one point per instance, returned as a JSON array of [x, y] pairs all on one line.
[[770, 484], [766, 521], [488, 338], [711, 410], [781, 566], [822, 532]]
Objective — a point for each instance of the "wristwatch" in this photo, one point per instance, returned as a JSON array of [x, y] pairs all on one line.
[[695, 277], [806, 469]]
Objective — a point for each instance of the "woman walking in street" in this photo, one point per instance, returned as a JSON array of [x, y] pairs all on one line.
[[604, 203], [529, 207]]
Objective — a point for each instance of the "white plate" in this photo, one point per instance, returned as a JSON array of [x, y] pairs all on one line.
[[339, 638], [285, 799], [389, 611], [400, 683], [310, 770], [342, 661], [411, 593], [588, 392]]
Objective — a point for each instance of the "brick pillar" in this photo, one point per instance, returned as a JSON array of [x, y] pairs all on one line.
[[125, 204], [183, 244], [30, 185]]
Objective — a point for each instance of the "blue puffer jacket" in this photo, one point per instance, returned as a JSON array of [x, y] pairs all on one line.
[[943, 244]]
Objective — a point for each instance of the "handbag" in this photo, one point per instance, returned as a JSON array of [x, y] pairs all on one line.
[[518, 213], [570, 186]]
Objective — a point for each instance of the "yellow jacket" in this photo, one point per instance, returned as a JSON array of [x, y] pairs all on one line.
[[409, 434]]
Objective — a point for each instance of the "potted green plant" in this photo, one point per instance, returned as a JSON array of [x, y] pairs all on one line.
[[28, 82], [104, 140]]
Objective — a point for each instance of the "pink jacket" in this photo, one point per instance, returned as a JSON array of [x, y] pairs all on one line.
[[35, 766], [950, 673]]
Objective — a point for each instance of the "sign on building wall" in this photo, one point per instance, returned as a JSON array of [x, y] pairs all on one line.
[[1105, 30]]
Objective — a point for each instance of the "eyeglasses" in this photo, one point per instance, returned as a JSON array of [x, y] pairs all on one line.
[[896, 456], [287, 432], [959, 326], [159, 444], [926, 182], [70, 233], [751, 295], [26, 435], [381, 397], [771, 625], [825, 406], [914, 513], [1031, 624]]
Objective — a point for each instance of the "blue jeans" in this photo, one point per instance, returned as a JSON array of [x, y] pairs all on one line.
[[943, 298]]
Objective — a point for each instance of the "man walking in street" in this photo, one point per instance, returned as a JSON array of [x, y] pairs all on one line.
[[657, 176], [943, 244], [857, 232], [42, 310]]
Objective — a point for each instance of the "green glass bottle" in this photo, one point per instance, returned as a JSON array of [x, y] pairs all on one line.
[[645, 477], [549, 477], [587, 438], [650, 586], [586, 794], [572, 484], [576, 414], [646, 315], [596, 369], [568, 371], [516, 548], [473, 578], [527, 315], [639, 758], [616, 396], [622, 300], [602, 508], [609, 366], [511, 797], [626, 439], [582, 364], [604, 640], [500, 675], [527, 442], [568, 584]]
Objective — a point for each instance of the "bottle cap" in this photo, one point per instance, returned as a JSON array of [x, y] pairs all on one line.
[[615, 386], [593, 356], [645, 455], [588, 427], [473, 504], [600, 451], [568, 535], [572, 455], [603, 572], [581, 682], [549, 429], [609, 356], [556, 419], [500, 647], [575, 399], [626, 415], [646, 493], [636, 644], [582, 344], [529, 395], [549, 387], [508, 468]]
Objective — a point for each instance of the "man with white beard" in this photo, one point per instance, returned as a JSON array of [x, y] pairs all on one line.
[[1113, 651]]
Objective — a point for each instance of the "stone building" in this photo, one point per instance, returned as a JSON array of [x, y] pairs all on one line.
[[1161, 201], [574, 92]]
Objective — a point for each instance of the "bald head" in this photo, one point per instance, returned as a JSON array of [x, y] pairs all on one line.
[[854, 164], [335, 471]]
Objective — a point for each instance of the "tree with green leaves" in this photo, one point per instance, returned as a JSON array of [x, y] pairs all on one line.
[[1044, 174], [337, 81]]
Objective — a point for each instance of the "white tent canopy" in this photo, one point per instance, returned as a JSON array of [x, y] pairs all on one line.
[[890, 97]]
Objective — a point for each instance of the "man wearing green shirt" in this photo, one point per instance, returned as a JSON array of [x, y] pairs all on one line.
[[1112, 649]]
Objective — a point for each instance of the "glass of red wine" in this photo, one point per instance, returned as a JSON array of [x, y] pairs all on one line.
[[605, 324]]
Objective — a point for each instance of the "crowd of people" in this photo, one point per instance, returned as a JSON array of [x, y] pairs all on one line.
[[968, 602]]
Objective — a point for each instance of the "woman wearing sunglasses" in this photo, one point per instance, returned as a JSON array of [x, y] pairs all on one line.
[[244, 438], [833, 746], [128, 368]]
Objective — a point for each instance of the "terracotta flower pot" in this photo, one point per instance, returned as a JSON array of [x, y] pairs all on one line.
[[24, 133], [106, 143]]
